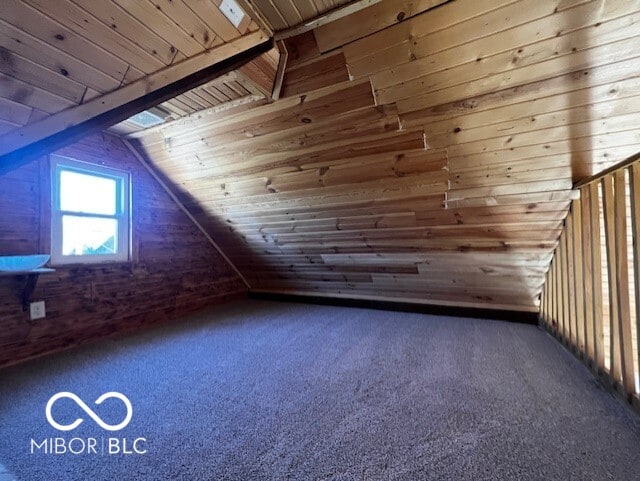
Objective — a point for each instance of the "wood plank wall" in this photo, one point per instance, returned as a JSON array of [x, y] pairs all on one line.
[[59, 54], [175, 269], [591, 295], [429, 161]]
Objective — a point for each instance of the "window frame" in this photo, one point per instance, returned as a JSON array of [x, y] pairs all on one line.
[[122, 214]]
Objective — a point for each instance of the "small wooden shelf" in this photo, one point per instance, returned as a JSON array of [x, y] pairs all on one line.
[[30, 282], [40, 270]]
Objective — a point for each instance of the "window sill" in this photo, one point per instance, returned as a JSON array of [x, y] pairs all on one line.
[[91, 264]]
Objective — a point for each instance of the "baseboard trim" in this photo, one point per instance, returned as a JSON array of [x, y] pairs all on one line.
[[520, 317]]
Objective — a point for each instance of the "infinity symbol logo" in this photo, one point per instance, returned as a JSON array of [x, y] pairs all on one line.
[[88, 410]]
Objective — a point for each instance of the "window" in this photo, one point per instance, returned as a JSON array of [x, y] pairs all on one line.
[[90, 213]]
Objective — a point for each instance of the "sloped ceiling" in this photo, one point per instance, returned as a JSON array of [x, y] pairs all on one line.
[[432, 161], [59, 54], [426, 156]]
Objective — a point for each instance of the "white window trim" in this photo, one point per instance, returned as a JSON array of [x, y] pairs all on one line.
[[123, 212]]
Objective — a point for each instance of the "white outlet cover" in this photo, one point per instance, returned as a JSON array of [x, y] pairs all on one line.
[[232, 11], [37, 310]]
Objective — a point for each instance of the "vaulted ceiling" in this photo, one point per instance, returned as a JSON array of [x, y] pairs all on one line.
[[57, 54], [421, 150]]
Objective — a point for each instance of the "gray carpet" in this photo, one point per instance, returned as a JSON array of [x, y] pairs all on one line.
[[270, 391]]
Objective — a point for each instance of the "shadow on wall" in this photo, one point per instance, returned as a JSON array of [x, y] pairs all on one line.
[[214, 225]]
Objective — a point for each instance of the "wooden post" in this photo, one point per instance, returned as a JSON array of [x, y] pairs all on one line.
[[578, 276], [634, 183], [612, 264], [570, 280], [622, 265], [554, 297], [587, 264], [565, 289], [596, 258]]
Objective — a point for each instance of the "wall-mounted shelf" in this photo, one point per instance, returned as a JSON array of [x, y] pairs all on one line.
[[40, 270], [30, 282]]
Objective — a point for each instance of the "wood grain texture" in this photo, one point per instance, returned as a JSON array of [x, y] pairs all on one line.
[[623, 329], [429, 157], [277, 15], [175, 269], [600, 235], [77, 50], [519, 110]]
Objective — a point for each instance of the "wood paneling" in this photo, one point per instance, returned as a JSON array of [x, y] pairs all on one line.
[[460, 132], [606, 291], [175, 269], [420, 150], [56, 55], [369, 20], [283, 14], [227, 92]]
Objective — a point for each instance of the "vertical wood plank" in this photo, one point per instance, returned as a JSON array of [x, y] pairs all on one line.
[[542, 316], [555, 291], [565, 290], [570, 280], [596, 258], [587, 266], [548, 299], [612, 274], [542, 313], [634, 183], [578, 283], [552, 297], [560, 263], [558, 290], [622, 266]]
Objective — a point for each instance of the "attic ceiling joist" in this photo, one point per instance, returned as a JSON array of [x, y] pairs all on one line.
[[27, 143], [326, 18]]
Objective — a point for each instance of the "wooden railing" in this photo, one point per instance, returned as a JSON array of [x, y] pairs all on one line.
[[591, 297]]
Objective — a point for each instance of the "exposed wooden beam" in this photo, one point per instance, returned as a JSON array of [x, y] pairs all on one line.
[[56, 131], [200, 115], [282, 65], [182, 207], [362, 19], [325, 18], [256, 15]]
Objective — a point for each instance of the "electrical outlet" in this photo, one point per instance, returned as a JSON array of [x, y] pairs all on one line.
[[232, 11], [37, 310]]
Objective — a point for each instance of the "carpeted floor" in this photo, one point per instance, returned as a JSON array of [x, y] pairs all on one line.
[[270, 391]]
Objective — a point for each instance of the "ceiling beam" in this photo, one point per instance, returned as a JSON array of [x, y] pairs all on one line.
[[282, 66], [256, 15], [30, 142], [199, 116], [325, 18]]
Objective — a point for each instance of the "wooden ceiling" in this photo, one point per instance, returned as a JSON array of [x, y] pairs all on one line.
[[422, 151], [284, 14], [55, 55], [248, 86], [430, 161]]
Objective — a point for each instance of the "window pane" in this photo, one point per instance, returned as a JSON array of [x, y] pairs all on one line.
[[87, 193], [89, 236]]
